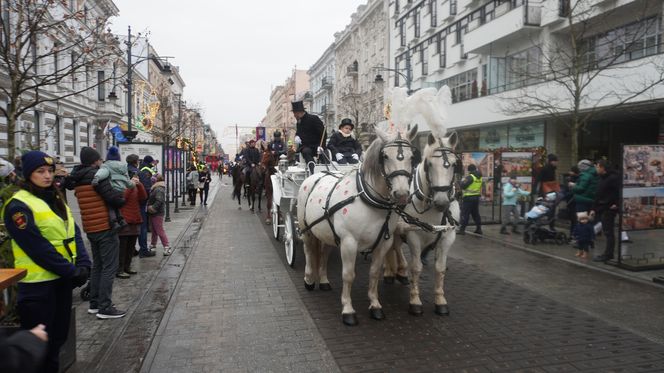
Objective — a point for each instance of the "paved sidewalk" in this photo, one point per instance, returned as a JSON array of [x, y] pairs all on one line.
[[235, 308], [97, 339]]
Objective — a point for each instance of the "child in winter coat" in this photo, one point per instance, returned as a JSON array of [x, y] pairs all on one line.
[[585, 235], [156, 209], [114, 169]]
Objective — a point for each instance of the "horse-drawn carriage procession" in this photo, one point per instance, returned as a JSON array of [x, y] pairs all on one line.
[[394, 194]]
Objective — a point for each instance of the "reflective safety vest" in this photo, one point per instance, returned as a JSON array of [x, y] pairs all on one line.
[[152, 172], [58, 232], [475, 188]]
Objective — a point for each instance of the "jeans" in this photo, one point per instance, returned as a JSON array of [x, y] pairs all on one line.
[[204, 192], [471, 206], [47, 303], [143, 235], [105, 248], [506, 218], [157, 225]]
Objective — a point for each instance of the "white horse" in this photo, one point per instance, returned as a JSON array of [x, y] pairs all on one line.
[[355, 212]]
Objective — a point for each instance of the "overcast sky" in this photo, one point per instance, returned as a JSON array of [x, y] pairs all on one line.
[[231, 53]]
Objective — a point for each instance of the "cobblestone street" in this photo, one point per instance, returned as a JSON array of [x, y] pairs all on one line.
[[238, 307]]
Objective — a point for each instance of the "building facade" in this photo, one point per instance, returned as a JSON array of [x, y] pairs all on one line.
[[321, 80], [361, 51], [279, 116], [509, 65]]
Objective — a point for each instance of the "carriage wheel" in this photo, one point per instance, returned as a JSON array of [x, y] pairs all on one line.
[[275, 220], [289, 238]]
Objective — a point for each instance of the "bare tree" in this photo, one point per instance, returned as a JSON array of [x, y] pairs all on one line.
[[578, 73], [45, 45]]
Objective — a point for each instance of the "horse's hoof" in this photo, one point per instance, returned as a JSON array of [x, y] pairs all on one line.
[[325, 287], [349, 319], [376, 313], [309, 287], [442, 310], [388, 279], [415, 309], [403, 280]]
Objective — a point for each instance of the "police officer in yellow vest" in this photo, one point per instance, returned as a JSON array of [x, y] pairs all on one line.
[[472, 190], [47, 242]]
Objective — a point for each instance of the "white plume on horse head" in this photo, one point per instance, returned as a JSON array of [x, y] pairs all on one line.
[[430, 103]]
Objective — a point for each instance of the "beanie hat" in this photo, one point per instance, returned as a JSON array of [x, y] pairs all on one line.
[[6, 168], [552, 157], [584, 164], [148, 159], [33, 160], [472, 168], [89, 156], [113, 154]]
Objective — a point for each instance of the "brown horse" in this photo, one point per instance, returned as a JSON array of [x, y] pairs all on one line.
[[268, 162]]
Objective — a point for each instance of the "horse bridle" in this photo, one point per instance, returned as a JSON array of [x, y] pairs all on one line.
[[400, 144], [449, 189]]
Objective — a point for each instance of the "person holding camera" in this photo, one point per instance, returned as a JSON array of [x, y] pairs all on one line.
[[47, 243]]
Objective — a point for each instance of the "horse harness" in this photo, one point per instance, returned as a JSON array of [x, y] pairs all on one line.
[[366, 194], [447, 217]]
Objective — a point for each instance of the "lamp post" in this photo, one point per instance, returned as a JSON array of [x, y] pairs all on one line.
[[179, 158], [129, 134], [406, 75]]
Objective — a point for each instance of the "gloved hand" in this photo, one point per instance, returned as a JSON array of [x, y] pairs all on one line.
[[321, 150], [298, 140], [80, 277], [356, 157], [339, 156]]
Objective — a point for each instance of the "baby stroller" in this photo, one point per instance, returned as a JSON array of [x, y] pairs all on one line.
[[539, 219]]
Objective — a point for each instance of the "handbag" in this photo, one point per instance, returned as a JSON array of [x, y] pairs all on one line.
[[550, 186], [151, 210]]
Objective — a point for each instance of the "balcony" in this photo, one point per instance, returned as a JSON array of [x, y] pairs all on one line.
[[510, 24], [326, 83]]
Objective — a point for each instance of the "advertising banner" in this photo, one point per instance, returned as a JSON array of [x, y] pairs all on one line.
[[493, 137], [154, 150], [519, 164], [526, 135], [484, 163], [642, 212]]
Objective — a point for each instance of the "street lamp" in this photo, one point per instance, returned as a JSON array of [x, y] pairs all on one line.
[[129, 134], [406, 75]]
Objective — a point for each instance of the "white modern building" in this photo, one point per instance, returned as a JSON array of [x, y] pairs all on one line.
[[321, 83], [507, 63]]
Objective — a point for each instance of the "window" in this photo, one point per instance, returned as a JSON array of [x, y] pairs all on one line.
[[514, 71], [101, 89], [463, 86], [402, 33], [77, 135], [396, 67], [416, 22], [74, 78], [56, 58], [424, 60], [441, 51], [433, 11], [396, 7], [36, 136], [453, 7]]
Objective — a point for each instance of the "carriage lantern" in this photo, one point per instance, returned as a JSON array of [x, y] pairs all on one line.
[[283, 164]]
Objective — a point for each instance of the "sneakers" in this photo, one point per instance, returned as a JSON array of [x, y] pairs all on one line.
[[146, 254], [122, 275], [111, 313], [167, 250], [93, 311]]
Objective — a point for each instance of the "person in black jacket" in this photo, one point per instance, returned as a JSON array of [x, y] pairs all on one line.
[[277, 146], [310, 134], [344, 147], [607, 200], [145, 173], [23, 351], [251, 157]]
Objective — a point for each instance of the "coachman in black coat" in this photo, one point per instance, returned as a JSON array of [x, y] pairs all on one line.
[[310, 132]]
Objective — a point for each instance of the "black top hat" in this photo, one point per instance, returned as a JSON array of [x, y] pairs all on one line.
[[298, 106], [276, 133], [346, 121]]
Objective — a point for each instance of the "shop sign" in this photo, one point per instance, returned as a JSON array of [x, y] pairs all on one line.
[[526, 135], [493, 137]]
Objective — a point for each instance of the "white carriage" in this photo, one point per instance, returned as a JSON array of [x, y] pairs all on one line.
[[285, 185]]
